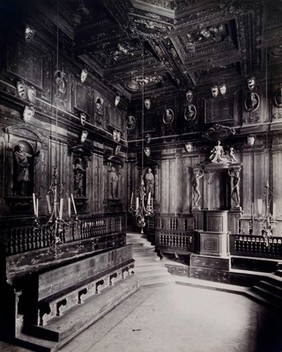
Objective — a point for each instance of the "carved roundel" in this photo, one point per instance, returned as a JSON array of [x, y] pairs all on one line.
[[168, 116], [190, 112], [252, 102], [131, 123], [278, 98]]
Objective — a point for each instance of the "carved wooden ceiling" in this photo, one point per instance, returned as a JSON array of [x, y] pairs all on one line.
[[186, 43]]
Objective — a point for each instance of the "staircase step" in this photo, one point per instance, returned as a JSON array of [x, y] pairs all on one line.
[[149, 260], [152, 274], [144, 254], [278, 273], [262, 300], [156, 281], [79, 317], [144, 250], [267, 294], [34, 343], [153, 270], [211, 285], [270, 286], [137, 245]]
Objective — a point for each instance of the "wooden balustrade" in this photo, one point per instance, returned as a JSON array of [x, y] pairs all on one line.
[[174, 233], [255, 246], [108, 232]]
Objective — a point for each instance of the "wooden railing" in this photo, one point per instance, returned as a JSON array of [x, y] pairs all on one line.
[[108, 232], [174, 233], [255, 246]]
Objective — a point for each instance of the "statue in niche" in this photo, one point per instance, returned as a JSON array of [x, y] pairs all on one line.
[[99, 109], [79, 177], [235, 192], [113, 183], [217, 153], [23, 170], [149, 182], [61, 84], [196, 187]]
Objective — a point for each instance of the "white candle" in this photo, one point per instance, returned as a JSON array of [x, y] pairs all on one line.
[[274, 210], [34, 203], [69, 206], [149, 198], [137, 203], [48, 203], [259, 206], [73, 203], [131, 200], [152, 200], [61, 208], [37, 207]]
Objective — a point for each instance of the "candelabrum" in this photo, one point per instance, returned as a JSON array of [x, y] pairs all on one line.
[[55, 204], [267, 222], [143, 206]]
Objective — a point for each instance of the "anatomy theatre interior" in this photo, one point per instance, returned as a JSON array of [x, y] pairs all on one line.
[[141, 163]]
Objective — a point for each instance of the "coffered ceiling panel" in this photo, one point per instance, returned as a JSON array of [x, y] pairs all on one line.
[[173, 45]]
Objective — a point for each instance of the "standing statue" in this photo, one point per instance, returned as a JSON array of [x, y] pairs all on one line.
[[149, 182], [235, 192], [196, 185], [232, 155], [217, 153], [79, 173], [22, 170], [113, 183]]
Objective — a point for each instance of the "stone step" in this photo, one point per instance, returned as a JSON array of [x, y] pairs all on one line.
[[148, 261], [155, 273], [279, 273], [144, 255], [157, 281], [35, 344], [211, 285], [144, 250], [262, 300], [267, 294], [79, 317], [148, 269], [270, 286], [137, 245]]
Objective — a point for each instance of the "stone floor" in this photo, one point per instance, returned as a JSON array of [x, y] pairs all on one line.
[[178, 318]]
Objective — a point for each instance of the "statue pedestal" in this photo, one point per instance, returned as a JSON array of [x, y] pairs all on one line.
[[214, 243], [214, 239]]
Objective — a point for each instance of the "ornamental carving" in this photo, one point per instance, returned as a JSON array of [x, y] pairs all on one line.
[[219, 132]]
